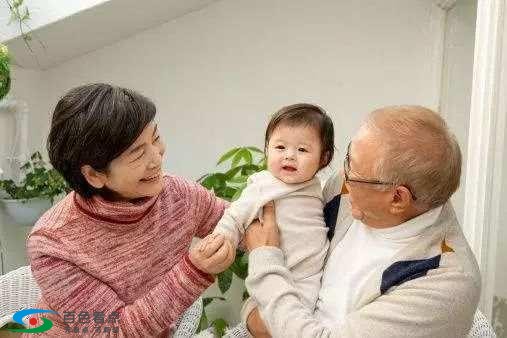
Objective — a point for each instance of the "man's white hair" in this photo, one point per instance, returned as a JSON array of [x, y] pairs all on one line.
[[417, 150]]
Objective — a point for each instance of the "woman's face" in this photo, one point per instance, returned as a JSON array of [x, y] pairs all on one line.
[[137, 172]]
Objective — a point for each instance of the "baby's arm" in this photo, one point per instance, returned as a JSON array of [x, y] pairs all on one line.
[[240, 213]]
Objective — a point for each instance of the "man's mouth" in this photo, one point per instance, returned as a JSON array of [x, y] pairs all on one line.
[[151, 178], [289, 168]]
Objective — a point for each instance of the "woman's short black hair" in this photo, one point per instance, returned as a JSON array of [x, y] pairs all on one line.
[[92, 125], [306, 114]]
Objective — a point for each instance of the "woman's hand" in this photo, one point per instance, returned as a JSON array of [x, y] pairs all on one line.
[[265, 234], [213, 254]]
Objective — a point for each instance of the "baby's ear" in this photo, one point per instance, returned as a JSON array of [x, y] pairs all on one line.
[[324, 160]]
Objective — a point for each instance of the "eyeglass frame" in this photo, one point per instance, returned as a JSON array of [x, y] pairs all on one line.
[[346, 168]]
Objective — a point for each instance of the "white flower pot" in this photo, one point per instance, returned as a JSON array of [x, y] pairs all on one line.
[[26, 212]]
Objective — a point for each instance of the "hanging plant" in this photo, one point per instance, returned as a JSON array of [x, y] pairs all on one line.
[[5, 78], [21, 15]]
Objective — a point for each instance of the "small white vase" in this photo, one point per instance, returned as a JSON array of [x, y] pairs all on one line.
[[26, 212]]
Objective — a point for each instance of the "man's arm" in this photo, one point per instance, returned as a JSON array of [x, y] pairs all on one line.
[[441, 304]]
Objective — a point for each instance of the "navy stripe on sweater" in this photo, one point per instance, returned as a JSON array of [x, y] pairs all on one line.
[[400, 272], [331, 214]]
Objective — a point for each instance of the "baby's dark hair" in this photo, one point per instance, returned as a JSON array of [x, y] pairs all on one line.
[[92, 125], [305, 114]]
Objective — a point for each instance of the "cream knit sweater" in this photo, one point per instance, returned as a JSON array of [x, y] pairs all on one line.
[[430, 288]]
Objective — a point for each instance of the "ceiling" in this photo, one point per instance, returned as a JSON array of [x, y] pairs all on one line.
[[96, 27]]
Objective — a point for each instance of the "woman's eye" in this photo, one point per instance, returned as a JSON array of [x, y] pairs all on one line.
[[280, 147], [302, 150], [156, 139]]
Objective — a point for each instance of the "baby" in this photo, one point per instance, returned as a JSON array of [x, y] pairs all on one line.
[[299, 142]]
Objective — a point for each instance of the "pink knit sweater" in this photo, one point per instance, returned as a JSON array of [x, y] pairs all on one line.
[[95, 260]]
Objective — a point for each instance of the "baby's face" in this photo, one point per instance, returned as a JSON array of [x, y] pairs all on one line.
[[294, 153]]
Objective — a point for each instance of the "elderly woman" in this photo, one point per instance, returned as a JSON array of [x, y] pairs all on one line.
[[113, 256]]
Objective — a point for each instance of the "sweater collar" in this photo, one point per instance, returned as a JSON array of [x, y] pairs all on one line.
[[115, 212]]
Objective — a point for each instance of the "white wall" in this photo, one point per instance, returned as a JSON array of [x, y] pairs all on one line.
[[457, 81], [217, 74], [501, 262]]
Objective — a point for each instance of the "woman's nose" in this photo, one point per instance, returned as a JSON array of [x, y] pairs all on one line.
[[156, 157]]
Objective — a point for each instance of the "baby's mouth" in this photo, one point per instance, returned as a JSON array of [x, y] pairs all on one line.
[[289, 168]]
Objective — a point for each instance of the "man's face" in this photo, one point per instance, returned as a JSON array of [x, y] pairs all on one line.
[[369, 204]]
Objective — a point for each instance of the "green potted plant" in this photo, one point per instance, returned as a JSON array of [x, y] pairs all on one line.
[[243, 162], [27, 201]]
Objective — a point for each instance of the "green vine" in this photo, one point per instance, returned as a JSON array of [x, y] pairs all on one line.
[[21, 15]]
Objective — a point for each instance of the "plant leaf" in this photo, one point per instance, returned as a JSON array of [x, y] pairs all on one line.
[[203, 322], [219, 325], [225, 280], [207, 300], [247, 156], [245, 295], [255, 150], [228, 155]]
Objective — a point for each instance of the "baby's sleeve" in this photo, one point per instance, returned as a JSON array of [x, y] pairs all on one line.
[[240, 213]]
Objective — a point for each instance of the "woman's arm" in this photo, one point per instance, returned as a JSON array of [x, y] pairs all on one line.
[[66, 287]]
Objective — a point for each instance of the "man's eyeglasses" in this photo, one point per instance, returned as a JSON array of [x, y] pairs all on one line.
[[346, 172]]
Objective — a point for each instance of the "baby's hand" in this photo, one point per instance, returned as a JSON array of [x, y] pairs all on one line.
[[213, 254]]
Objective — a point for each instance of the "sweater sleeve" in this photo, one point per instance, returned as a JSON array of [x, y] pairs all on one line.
[[67, 288], [203, 206], [440, 304]]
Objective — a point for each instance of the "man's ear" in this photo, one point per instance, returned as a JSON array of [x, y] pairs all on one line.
[[402, 199], [94, 178]]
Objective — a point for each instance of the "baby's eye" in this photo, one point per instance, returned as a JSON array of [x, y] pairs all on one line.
[[302, 150], [280, 147]]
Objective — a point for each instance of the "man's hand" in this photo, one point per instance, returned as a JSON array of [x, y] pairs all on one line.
[[256, 326], [265, 234], [213, 254]]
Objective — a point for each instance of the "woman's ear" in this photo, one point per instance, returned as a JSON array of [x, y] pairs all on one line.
[[94, 178]]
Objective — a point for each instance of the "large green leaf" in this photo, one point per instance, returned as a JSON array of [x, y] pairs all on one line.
[[255, 150], [225, 280], [219, 325], [247, 156], [203, 322], [228, 155], [239, 268]]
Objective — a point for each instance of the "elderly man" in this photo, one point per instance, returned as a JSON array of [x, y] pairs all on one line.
[[398, 264]]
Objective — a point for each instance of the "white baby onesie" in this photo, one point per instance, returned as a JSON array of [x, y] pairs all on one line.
[[300, 218]]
